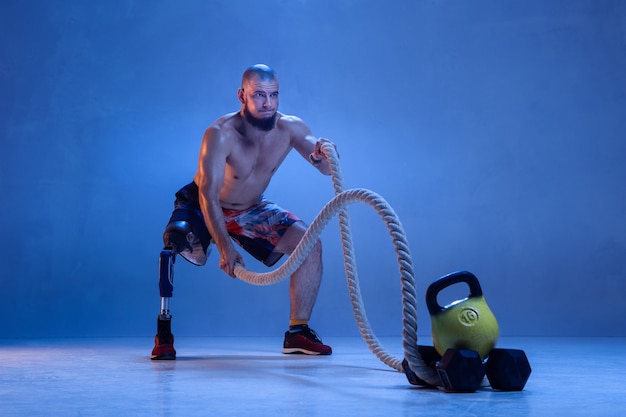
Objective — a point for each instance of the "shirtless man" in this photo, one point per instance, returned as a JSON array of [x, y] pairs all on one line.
[[240, 153]]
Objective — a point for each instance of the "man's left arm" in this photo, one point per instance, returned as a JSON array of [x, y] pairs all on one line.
[[308, 145]]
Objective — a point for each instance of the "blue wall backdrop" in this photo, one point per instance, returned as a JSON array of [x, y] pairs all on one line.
[[496, 130]]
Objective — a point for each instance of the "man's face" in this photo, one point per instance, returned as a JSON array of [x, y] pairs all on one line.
[[260, 100]]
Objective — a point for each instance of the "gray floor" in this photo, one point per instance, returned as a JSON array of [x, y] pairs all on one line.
[[249, 377]]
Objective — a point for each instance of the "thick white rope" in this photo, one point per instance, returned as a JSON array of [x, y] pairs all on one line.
[[409, 302]]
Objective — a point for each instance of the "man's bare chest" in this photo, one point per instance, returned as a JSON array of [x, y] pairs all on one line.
[[257, 160]]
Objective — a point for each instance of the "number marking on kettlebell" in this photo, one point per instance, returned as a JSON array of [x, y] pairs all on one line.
[[468, 316]]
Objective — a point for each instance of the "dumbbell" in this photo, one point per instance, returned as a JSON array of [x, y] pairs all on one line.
[[459, 370], [507, 369], [430, 357], [463, 370]]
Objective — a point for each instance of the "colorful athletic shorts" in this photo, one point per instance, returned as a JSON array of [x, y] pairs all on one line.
[[257, 229]]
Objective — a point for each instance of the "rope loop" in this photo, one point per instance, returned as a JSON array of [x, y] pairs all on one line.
[[337, 206]]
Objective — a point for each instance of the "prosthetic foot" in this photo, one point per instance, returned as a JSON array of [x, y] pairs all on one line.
[[164, 341]]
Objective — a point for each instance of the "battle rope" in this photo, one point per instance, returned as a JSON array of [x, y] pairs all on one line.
[[409, 303]]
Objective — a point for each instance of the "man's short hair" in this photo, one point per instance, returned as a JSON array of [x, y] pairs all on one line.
[[263, 71]]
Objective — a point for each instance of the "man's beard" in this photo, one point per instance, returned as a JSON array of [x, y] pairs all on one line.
[[266, 124]]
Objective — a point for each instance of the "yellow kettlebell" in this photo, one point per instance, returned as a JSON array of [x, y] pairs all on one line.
[[464, 324]]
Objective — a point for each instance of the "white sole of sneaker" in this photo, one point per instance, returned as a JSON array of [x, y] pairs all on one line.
[[302, 351]]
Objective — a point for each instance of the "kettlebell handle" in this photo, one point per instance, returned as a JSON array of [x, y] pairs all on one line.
[[453, 278]]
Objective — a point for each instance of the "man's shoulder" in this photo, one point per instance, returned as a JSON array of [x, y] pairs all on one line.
[[290, 123], [225, 125], [295, 126], [289, 119], [229, 120]]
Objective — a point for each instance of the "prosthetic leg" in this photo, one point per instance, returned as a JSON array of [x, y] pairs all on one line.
[[178, 236]]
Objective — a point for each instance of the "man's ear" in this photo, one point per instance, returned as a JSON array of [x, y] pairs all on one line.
[[241, 96]]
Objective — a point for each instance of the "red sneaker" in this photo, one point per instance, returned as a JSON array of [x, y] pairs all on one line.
[[163, 348], [164, 341], [305, 340]]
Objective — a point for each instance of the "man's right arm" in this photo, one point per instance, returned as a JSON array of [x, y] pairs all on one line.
[[214, 151]]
